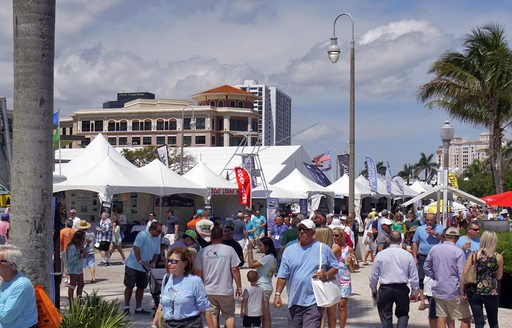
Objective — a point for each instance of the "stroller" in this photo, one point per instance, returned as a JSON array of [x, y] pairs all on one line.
[[155, 284]]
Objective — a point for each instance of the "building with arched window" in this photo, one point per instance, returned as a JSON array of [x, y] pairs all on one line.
[[220, 117]]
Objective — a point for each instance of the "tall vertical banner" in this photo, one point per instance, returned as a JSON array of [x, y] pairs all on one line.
[[318, 175], [400, 183], [249, 166], [163, 155], [388, 178], [244, 186], [343, 161], [371, 167], [453, 180], [431, 176]]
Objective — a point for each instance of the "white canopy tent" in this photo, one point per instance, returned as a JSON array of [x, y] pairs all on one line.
[[381, 187], [274, 192], [169, 182], [340, 187], [203, 176]]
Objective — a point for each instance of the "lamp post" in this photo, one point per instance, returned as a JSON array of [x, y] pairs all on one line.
[[334, 53], [192, 127], [446, 132]]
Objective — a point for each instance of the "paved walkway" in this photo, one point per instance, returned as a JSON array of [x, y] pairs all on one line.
[[361, 312]]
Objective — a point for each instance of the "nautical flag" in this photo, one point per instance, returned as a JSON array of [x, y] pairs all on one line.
[[163, 155], [322, 158], [56, 118], [56, 138], [371, 167], [343, 161], [388, 178], [318, 175], [453, 180], [325, 169]]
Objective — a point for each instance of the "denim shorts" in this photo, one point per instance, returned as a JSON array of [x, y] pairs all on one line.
[[89, 261]]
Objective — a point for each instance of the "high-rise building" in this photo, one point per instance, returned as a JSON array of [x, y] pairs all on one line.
[[275, 110]]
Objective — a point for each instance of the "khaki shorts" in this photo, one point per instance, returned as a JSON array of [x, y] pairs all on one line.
[[266, 295], [222, 303], [453, 309]]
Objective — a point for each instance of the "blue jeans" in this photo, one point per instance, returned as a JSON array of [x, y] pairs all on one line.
[[491, 303]]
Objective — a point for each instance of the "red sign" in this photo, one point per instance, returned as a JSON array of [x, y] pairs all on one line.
[[244, 186]]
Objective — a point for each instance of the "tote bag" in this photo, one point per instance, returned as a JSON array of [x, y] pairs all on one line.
[[327, 292], [470, 276]]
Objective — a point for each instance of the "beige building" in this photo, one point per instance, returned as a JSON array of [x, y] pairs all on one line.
[[464, 152], [220, 117]]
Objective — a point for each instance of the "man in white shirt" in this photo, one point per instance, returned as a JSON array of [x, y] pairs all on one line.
[[75, 218]]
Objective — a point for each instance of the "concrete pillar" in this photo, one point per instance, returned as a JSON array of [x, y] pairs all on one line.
[[226, 130]]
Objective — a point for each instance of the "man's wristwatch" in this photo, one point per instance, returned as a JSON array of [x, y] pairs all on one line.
[[278, 294]]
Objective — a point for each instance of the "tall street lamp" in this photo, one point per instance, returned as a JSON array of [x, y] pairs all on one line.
[[192, 127], [446, 132], [334, 53]]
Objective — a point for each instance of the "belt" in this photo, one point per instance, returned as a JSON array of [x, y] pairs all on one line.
[[394, 285], [184, 320]]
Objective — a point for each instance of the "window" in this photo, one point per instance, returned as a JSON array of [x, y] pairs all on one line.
[[172, 125], [238, 124], [136, 141], [241, 104], [111, 126], [160, 125], [221, 142], [187, 140], [160, 140], [85, 142], [221, 124], [147, 125], [112, 140], [98, 126], [254, 125], [200, 123], [86, 126], [123, 126], [213, 141], [221, 103], [171, 140], [232, 103], [212, 103], [200, 140], [235, 140], [123, 141], [186, 124], [135, 125], [146, 140]]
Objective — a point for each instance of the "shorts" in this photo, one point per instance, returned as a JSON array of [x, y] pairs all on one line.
[[431, 308], [453, 309], [134, 278], [421, 271], [266, 295], [89, 261], [104, 246], [222, 303], [251, 321]]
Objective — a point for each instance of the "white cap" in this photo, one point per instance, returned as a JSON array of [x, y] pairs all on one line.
[[307, 223], [335, 223], [386, 222]]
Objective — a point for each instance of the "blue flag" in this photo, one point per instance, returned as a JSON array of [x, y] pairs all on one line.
[[388, 178], [371, 167], [318, 175], [56, 118]]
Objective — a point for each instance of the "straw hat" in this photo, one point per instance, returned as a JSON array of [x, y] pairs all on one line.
[[83, 225]]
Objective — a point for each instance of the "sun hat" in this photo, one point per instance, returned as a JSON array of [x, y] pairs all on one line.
[[504, 211], [308, 224], [83, 225], [335, 223], [452, 231]]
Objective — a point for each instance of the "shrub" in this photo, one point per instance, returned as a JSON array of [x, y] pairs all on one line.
[[504, 247]]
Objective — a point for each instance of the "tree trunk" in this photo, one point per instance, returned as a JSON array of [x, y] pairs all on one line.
[[31, 180], [497, 162]]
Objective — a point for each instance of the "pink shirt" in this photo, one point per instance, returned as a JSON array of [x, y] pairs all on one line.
[[4, 226]]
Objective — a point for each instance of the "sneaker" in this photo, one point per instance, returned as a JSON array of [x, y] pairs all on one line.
[[141, 311], [126, 311]]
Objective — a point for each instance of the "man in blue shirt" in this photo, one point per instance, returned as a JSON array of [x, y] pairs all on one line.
[[471, 241], [425, 237], [503, 215], [260, 222], [298, 264], [142, 258]]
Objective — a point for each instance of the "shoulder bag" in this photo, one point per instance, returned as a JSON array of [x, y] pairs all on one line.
[[327, 292], [470, 276]]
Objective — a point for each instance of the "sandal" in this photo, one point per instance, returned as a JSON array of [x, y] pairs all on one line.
[[93, 281]]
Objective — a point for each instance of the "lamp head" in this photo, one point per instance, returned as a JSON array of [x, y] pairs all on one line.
[[334, 50], [447, 131]]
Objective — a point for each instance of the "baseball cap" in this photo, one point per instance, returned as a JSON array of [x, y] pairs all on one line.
[[190, 233], [452, 232], [335, 223], [343, 218], [5, 216], [386, 222], [384, 212], [199, 211], [230, 225], [307, 223]]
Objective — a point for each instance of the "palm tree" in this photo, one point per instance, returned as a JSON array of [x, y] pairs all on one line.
[[475, 86], [425, 164], [31, 180], [381, 169], [407, 172]]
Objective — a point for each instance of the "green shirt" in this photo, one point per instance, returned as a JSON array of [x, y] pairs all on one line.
[[289, 235]]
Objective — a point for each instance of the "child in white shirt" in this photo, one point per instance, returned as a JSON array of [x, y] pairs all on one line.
[[252, 302]]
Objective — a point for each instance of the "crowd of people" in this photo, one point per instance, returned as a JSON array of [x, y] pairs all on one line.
[[413, 258]]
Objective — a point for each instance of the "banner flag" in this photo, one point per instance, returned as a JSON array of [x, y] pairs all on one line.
[[343, 161], [249, 166], [431, 176], [453, 180], [56, 138], [163, 155], [56, 118], [388, 178], [322, 158], [325, 169], [400, 183], [371, 167], [317, 175], [244, 186]]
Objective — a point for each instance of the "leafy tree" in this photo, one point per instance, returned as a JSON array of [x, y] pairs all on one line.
[[477, 180], [407, 172], [475, 86], [381, 169], [425, 164], [145, 155]]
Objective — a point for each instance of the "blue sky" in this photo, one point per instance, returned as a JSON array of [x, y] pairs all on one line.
[[180, 47]]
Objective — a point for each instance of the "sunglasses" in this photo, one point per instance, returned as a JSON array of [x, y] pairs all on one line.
[[304, 229], [337, 236], [4, 261], [173, 261], [474, 229]]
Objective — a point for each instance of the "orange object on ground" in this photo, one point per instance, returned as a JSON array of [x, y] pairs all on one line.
[[48, 315]]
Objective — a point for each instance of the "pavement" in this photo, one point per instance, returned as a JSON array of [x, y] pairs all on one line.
[[361, 312]]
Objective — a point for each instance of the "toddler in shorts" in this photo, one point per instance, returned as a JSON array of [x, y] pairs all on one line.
[[251, 309]]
